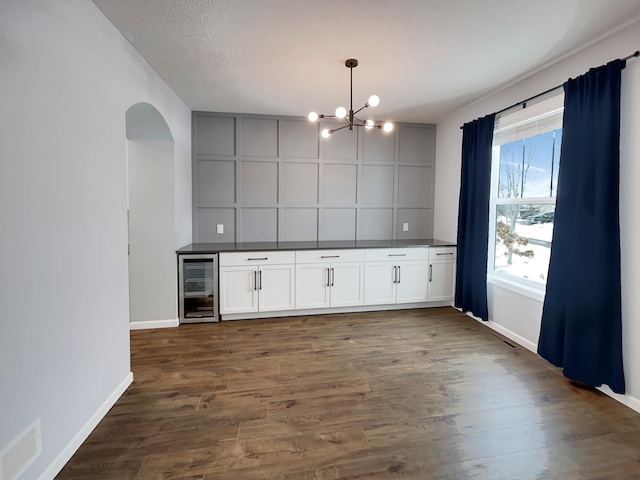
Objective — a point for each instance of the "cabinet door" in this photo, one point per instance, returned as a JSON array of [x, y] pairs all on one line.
[[441, 280], [276, 287], [238, 292], [379, 283], [312, 286], [412, 282], [347, 284]]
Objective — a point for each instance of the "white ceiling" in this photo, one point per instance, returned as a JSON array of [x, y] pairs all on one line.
[[424, 58]]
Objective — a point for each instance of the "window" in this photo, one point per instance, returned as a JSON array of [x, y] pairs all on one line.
[[524, 179]]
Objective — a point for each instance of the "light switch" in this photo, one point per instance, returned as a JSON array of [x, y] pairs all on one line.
[[405, 227], [220, 228]]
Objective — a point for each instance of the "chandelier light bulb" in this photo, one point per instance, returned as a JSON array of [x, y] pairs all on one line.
[[368, 124], [341, 112], [387, 127], [325, 133], [313, 117], [374, 101]]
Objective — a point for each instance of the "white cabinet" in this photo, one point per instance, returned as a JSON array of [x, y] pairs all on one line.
[[329, 278], [251, 283], [396, 275], [257, 282], [442, 273]]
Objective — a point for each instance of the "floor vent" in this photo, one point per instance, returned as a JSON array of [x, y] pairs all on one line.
[[504, 341], [21, 453]]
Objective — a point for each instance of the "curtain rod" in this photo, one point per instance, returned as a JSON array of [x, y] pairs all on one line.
[[524, 102]]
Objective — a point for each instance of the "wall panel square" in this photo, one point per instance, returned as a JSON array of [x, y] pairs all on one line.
[[338, 224], [378, 146], [342, 145], [300, 183], [259, 182], [259, 224], [377, 185], [299, 139], [417, 144], [299, 224], [420, 222], [259, 137], [215, 181], [375, 224], [415, 185], [207, 221], [339, 184], [215, 135]]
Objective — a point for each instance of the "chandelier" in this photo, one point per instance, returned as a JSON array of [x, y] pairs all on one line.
[[350, 116]]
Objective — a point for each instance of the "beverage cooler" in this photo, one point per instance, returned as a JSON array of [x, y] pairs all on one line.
[[198, 288]]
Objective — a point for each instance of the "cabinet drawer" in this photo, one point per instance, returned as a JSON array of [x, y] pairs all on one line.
[[395, 254], [442, 253], [257, 258], [329, 256]]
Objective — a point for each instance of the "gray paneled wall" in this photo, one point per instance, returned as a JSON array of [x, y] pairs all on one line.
[[268, 178]]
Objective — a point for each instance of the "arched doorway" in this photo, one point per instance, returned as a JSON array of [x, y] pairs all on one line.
[[151, 211]]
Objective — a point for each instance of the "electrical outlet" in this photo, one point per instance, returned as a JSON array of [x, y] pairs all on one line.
[[405, 227], [220, 228]]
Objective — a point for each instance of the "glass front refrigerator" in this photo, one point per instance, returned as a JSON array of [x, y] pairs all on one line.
[[198, 288]]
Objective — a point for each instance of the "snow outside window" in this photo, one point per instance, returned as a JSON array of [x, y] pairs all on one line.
[[524, 179]]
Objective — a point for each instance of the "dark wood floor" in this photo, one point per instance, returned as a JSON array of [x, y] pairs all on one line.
[[419, 394]]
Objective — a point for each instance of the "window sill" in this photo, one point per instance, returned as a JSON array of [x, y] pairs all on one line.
[[534, 292]]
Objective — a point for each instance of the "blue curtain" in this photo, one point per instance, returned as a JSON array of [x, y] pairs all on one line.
[[581, 318], [473, 217]]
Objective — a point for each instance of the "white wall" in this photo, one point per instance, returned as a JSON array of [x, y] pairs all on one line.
[[153, 299], [66, 81], [152, 259], [511, 312]]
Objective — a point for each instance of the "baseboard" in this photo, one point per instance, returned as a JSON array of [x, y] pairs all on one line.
[[523, 342], [332, 310], [67, 452], [171, 323], [631, 402]]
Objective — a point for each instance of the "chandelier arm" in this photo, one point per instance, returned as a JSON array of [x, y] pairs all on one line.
[[361, 121], [361, 108], [336, 129]]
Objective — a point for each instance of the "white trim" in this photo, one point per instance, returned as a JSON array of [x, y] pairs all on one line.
[[523, 342], [67, 452], [631, 402], [531, 291], [142, 325], [321, 311]]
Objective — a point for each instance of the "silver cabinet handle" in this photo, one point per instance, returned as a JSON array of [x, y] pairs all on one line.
[[397, 254], [333, 277], [448, 253], [328, 277], [260, 277], [398, 274], [329, 256], [254, 259], [395, 275], [255, 280], [430, 272]]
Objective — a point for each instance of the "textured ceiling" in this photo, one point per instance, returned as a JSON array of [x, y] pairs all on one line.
[[424, 58]]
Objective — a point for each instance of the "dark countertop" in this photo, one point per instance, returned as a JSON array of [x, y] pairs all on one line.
[[322, 245]]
